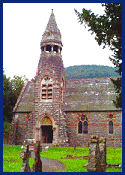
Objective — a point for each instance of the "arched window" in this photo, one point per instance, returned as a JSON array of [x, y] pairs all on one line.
[[48, 48], [80, 127], [55, 48], [47, 88], [85, 127], [110, 127]]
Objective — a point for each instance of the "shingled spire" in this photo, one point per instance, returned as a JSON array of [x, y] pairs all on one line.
[[52, 25], [52, 32]]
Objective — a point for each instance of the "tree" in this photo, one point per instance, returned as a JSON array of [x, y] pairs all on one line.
[[7, 91], [17, 84], [11, 91], [108, 31]]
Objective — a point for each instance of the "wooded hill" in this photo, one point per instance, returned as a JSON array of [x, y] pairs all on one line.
[[90, 71]]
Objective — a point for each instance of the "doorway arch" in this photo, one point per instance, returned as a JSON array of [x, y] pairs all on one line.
[[46, 130]]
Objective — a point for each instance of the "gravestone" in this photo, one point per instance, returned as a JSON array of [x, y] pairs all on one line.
[[25, 155], [97, 154], [102, 150], [37, 166], [93, 158]]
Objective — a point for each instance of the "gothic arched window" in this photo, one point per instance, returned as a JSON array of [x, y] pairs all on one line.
[[110, 124], [80, 127], [47, 88], [83, 125], [110, 127]]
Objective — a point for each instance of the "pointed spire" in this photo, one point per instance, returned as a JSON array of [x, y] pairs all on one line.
[[52, 25], [52, 32]]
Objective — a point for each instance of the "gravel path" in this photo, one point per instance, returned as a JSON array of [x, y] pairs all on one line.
[[50, 165]]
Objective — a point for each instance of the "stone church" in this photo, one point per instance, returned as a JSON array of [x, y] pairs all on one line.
[[64, 112]]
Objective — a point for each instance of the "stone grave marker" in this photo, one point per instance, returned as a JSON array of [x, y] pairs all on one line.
[[97, 154], [25, 155], [102, 150], [93, 158], [37, 166]]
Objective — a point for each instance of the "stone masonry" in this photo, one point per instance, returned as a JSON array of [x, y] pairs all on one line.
[[56, 111], [50, 86], [97, 154]]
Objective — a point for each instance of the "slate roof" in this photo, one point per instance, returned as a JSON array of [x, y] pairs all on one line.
[[52, 25], [52, 32], [94, 94], [25, 101]]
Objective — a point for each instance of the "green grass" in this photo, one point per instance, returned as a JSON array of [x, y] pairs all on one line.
[[114, 156], [72, 165], [11, 159]]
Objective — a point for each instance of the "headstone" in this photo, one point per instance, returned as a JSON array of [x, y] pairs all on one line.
[[102, 149], [93, 158], [37, 167], [25, 155], [97, 154]]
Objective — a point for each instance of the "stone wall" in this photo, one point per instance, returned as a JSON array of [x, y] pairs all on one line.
[[21, 128], [54, 111], [50, 72], [98, 124]]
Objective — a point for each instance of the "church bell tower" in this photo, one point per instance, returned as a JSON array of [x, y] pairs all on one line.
[[49, 119]]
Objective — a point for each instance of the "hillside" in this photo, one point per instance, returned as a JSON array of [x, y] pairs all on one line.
[[90, 71]]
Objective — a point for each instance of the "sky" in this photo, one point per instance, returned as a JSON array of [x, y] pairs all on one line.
[[23, 27]]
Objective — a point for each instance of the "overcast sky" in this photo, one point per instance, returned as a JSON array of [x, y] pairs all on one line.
[[24, 24]]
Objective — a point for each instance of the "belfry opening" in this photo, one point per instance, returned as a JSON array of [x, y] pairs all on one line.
[[46, 130]]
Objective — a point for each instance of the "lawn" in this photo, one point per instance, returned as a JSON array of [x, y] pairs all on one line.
[[114, 156], [72, 165], [12, 161]]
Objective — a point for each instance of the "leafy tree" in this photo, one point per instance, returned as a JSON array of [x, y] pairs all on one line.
[[11, 91], [108, 31], [7, 91], [17, 84], [90, 71]]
